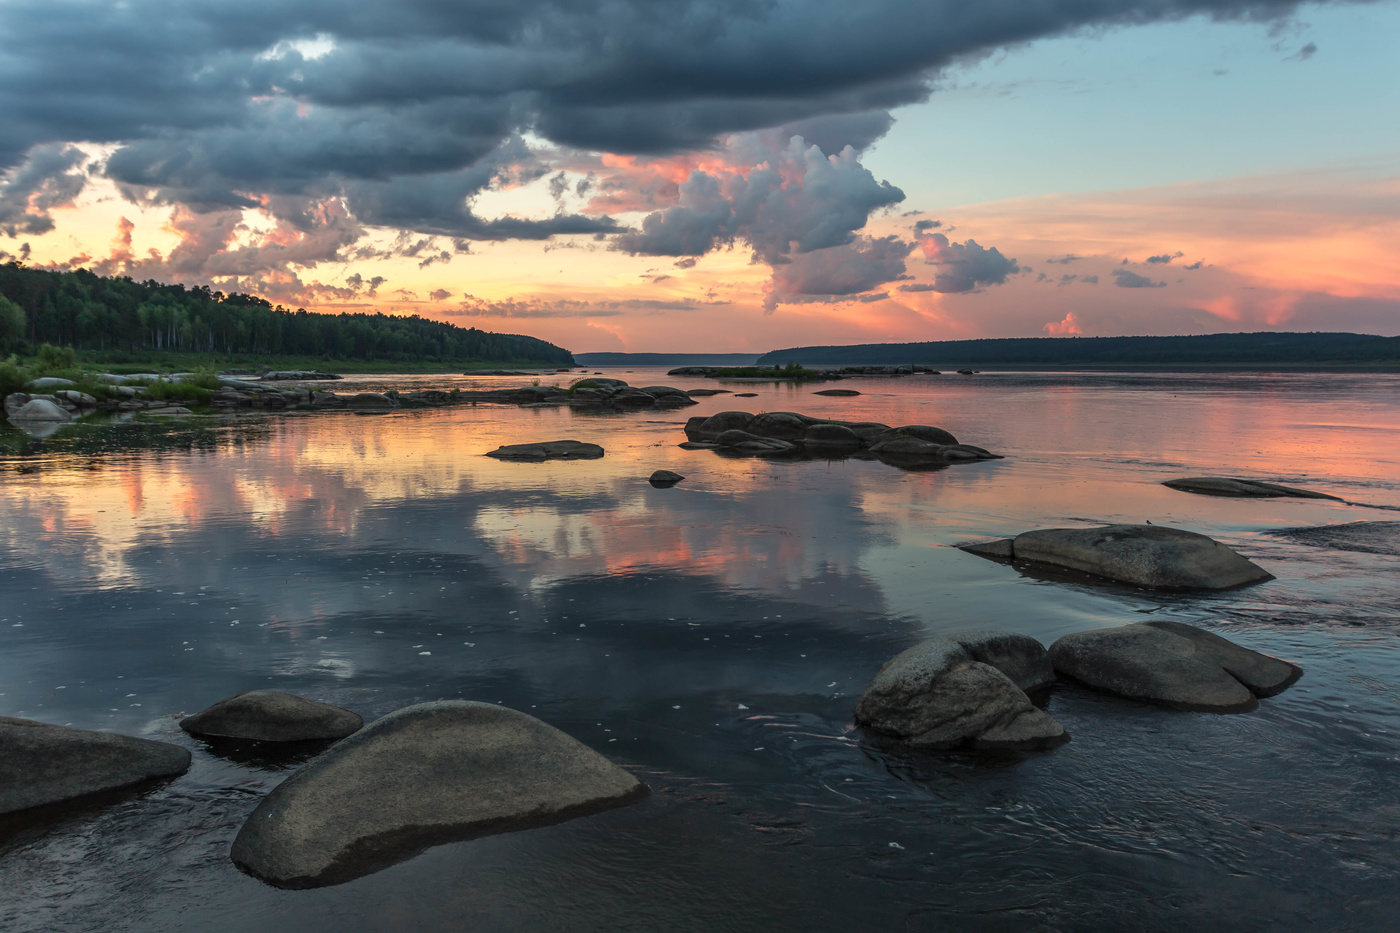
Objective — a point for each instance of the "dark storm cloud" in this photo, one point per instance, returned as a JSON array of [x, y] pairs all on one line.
[[434, 86], [49, 178], [1127, 278]]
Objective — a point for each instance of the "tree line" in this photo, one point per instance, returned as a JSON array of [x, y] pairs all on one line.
[[1262, 349], [116, 314]]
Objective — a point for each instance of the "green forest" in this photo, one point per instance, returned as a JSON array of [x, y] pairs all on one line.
[[1224, 351], [117, 319]]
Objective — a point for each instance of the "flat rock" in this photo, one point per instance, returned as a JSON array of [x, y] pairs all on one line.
[[1173, 664], [170, 411], [837, 392], [419, 777], [272, 716], [697, 445], [1242, 488], [746, 395], [548, 450], [953, 691], [1364, 537], [663, 479], [706, 393], [43, 764], [50, 382], [1153, 556]]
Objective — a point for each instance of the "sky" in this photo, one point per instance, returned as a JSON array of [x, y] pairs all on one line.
[[722, 175]]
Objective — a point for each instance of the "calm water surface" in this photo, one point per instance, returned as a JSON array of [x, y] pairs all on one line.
[[713, 639]]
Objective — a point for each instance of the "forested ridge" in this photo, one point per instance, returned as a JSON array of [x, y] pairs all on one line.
[[1254, 350], [89, 312]]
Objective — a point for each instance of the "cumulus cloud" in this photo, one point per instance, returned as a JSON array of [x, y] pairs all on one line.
[[439, 294], [1066, 327], [1127, 278], [839, 270], [964, 266]]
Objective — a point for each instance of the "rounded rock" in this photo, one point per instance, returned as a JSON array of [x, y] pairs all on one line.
[[272, 716]]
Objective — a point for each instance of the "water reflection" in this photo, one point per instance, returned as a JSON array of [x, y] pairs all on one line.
[[712, 637]]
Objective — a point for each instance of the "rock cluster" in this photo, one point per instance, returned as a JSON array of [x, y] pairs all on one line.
[[61, 405], [1172, 664], [419, 777], [1153, 556], [785, 433], [901, 369], [43, 764], [302, 375], [594, 393], [967, 689]]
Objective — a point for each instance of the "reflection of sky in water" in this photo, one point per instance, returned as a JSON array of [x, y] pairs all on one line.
[[376, 561]]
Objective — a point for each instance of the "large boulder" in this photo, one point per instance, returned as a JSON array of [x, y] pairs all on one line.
[[926, 432], [1173, 664], [272, 716], [964, 689], [831, 439], [664, 479], [419, 777], [371, 401], [548, 450], [783, 425], [42, 764], [40, 409], [1242, 488], [717, 424], [1153, 556], [47, 383]]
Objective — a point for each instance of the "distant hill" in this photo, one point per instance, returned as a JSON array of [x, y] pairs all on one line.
[[115, 316], [665, 359], [1209, 351]]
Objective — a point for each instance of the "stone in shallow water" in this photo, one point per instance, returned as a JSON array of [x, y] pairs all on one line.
[[1153, 556], [1365, 537], [837, 392], [1242, 488], [548, 450], [40, 409], [1173, 664], [964, 689], [663, 479], [419, 777], [272, 716], [43, 764]]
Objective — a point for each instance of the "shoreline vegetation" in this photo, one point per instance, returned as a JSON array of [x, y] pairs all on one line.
[[1263, 351], [116, 321]]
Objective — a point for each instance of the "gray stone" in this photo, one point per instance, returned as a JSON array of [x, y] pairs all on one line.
[[40, 409], [42, 764], [704, 393], [831, 438], [50, 382], [696, 445], [949, 692], [925, 432], [837, 392], [171, 411], [751, 442], [1153, 556], [717, 424], [371, 401], [80, 399], [1242, 488], [272, 716], [784, 425], [659, 391], [327, 400], [548, 450], [1173, 664], [419, 777], [663, 479]]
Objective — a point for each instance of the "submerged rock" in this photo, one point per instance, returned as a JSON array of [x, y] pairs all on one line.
[[964, 689], [1242, 488], [1173, 664], [1153, 556], [272, 716], [419, 777], [1363, 537], [837, 392], [42, 764], [663, 479], [548, 450]]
